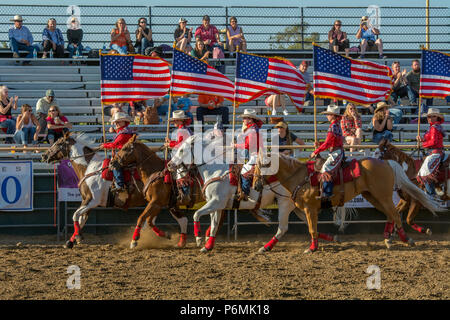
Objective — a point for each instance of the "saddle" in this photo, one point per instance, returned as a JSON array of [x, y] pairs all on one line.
[[440, 176], [107, 174], [350, 171]]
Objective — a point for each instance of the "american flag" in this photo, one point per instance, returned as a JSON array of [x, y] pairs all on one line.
[[133, 78], [361, 82], [191, 75], [256, 75], [435, 74]]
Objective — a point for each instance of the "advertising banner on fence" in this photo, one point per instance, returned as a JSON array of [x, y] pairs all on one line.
[[16, 185], [67, 182]]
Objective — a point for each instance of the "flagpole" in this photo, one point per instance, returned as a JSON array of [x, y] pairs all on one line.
[[103, 106], [315, 121], [420, 107], [234, 106], [168, 121]]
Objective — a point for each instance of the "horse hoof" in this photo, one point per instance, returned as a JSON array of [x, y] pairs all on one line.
[[388, 243], [78, 239], [308, 251], [133, 244], [428, 232], [411, 242], [337, 239], [68, 245], [168, 235], [263, 250], [205, 250], [198, 240]]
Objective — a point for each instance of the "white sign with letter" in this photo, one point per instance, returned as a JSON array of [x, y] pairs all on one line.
[[16, 185]]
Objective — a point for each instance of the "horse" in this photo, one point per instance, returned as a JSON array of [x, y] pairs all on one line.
[[219, 192], [158, 194], [386, 151], [94, 189], [376, 184]]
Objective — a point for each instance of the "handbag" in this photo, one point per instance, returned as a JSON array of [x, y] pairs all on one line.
[[130, 47]]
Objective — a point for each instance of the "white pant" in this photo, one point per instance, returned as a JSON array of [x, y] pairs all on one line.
[[429, 165], [249, 165], [333, 160]]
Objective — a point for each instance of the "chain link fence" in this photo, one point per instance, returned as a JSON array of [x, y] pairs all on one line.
[[265, 28]]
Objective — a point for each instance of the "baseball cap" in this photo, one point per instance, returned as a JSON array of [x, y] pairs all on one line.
[[182, 20], [206, 17], [50, 93]]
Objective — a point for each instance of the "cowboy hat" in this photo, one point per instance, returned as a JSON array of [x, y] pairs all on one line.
[[120, 116], [17, 17], [178, 115], [249, 113], [364, 18], [433, 112], [332, 110], [281, 124], [182, 20], [381, 105]]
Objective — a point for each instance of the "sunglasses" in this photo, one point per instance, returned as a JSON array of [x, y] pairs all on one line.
[[53, 110], [338, 25], [142, 21]]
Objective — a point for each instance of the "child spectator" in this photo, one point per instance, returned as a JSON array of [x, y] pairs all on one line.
[[211, 105], [120, 37], [368, 34], [26, 126], [57, 124], [52, 39], [6, 119], [183, 36], [351, 125], [200, 51], [338, 39], [74, 38], [382, 123], [144, 37], [235, 37]]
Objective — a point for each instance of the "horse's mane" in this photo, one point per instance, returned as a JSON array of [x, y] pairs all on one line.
[[291, 161], [150, 154], [83, 139]]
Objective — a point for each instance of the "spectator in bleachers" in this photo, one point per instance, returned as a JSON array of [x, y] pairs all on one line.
[[137, 108], [338, 39], [235, 37], [120, 37], [368, 35], [309, 96], [183, 36], [20, 38], [6, 119], [52, 39], [200, 51], [154, 52], [209, 34], [26, 126], [184, 103], [382, 123], [74, 38], [413, 80], [144, 36], [276, 100], [399, 83], [57, 124], [211, 105], [351, 125], [162, 105], [287, 138], [42, 107]]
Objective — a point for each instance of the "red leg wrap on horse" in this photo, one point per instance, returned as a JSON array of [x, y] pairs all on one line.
[[208, 232], [210, 243], [402, 234], [137, 233], [271, 243], [325, 236], [197, 228], [388, 229], [160, 233], [314, 244], [182, 241], [418, 228], [77, 229]]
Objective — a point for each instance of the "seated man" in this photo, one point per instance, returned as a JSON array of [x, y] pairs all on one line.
[[184, 103], [20, 38], [413, 80], [211, 105], [367, 33]]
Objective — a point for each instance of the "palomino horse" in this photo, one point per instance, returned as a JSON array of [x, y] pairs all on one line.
[[219, 192], [157, 193], [93, 188], [376, 184], [387, 151]]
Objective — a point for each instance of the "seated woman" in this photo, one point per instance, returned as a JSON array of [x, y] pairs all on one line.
[[120, 37], [276, 100], [6, 119], [235, 37], [74, 38], [287, 138], [26, 127], [338, 39], [382, 123], [399, 83], [351, 125], [183, 36], [144, 38], [200, 51], [57, 124], [52, 39]]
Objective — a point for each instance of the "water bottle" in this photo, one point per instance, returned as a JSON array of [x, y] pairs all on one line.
[[35, 53], [51, 54]]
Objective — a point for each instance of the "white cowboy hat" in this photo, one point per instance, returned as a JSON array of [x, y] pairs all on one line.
[[433, 112], [332, 110], [178, 115], [17, 17], [250, 113], [120, 116]]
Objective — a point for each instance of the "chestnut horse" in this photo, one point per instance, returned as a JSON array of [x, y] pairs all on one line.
[[376, 184], [389, 151]]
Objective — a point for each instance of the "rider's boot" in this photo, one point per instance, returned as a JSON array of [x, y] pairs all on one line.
[[245, 186]]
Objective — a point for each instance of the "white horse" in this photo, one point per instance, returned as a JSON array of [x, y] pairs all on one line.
[[219, 193], [93, 188]]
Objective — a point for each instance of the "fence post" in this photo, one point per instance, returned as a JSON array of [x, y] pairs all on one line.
[[302, 28], [150, 17]]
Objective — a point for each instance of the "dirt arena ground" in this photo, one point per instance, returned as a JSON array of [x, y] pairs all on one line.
[[35, 267]]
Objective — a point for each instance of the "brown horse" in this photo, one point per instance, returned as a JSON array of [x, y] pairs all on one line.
[[389, 151], [376, 184], [157, 192]]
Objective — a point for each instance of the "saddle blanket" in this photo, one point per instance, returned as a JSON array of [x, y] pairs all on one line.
[[107, 174], [441, 172], [351, 171], [234, 178]]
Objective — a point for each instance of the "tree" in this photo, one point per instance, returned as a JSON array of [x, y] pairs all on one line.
[[291, 38]]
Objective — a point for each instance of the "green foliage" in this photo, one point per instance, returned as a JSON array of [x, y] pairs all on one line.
[[291, 38]]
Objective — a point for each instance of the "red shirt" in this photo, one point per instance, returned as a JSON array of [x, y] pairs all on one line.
[[182, 134], [204, 34], [52, 121], [252, 138], [434, 137], [123, 135], [334, 138], [349, 126]]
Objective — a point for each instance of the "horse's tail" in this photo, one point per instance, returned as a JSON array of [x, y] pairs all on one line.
[[343, 214], [402, 182]]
